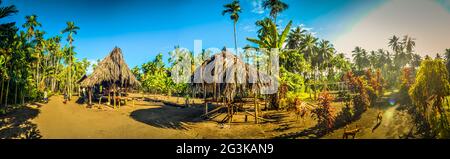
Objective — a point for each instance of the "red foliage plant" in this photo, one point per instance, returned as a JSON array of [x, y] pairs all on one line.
[[325, 112], [406, 78]]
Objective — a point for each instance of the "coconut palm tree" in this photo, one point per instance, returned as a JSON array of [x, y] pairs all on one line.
[[309, 46], [70, 29], [447, 59], [415, 61], [233, 8], [359, 55], [31, 24], [276, 7], [54, 56], [325, 52], [6, 12], [39, 42], [295, 38], [7, 31], [409, 44], [373, 59], [394, 43]]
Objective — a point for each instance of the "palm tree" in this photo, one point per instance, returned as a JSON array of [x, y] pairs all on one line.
[[416, 60], [6, 36], [55, 53], [394, 43], [359, 55], [295, 38], [382, 58], [309, 46], [409, 43], [5, 12], [71, 29], [373, 59], [276, 7], [30, 24], [447, 59], [39, 42], [325, 52], [233, 9]]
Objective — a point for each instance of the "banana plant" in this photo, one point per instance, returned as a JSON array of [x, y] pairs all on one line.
[[271, 38]]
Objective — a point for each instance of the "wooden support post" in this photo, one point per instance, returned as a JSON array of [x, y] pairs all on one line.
[[256, 108], [114, 96], [204, 98], [215, 92], [219, 93], [120, 99], [90, 95], [109, 96], [265, 102], [232, 112]]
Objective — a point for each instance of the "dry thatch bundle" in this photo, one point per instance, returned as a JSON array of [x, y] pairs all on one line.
[[225, 64], [112, 70]]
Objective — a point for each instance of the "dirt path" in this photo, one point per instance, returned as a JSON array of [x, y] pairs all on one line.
[[394, 124]]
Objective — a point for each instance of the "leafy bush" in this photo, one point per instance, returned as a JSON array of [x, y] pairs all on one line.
[[428, 95], [325, 112]]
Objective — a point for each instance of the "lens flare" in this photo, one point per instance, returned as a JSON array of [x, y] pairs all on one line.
[[391, 102]]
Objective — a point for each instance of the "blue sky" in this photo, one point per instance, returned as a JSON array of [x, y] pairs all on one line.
[[144, 28]]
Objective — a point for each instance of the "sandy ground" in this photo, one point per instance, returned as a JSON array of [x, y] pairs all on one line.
[[71, 120], [150, 119]]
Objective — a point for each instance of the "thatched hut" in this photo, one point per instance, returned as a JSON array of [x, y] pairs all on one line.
[[232, 80], [112, 72]]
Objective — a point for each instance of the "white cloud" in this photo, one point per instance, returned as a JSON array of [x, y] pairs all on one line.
[[257, 7], [425, 20], [249, 28]]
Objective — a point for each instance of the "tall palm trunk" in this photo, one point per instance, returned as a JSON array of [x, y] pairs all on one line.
[[53, 83], [70, 71], [235, 38], [37, 70], [1, 92], [15, 92], [7, 91], [235, 71], [275, 19], [57, 72]]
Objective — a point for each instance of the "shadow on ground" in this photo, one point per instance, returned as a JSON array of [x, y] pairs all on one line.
[[16, 124], [168, 116]]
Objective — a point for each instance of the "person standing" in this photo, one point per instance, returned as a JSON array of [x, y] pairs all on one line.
[[45, 97]]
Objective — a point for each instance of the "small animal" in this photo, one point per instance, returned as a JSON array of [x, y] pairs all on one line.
[[351, 133], [379, 119]]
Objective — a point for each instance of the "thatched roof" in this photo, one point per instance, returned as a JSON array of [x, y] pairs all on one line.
[[245, 72], [112, 70]]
